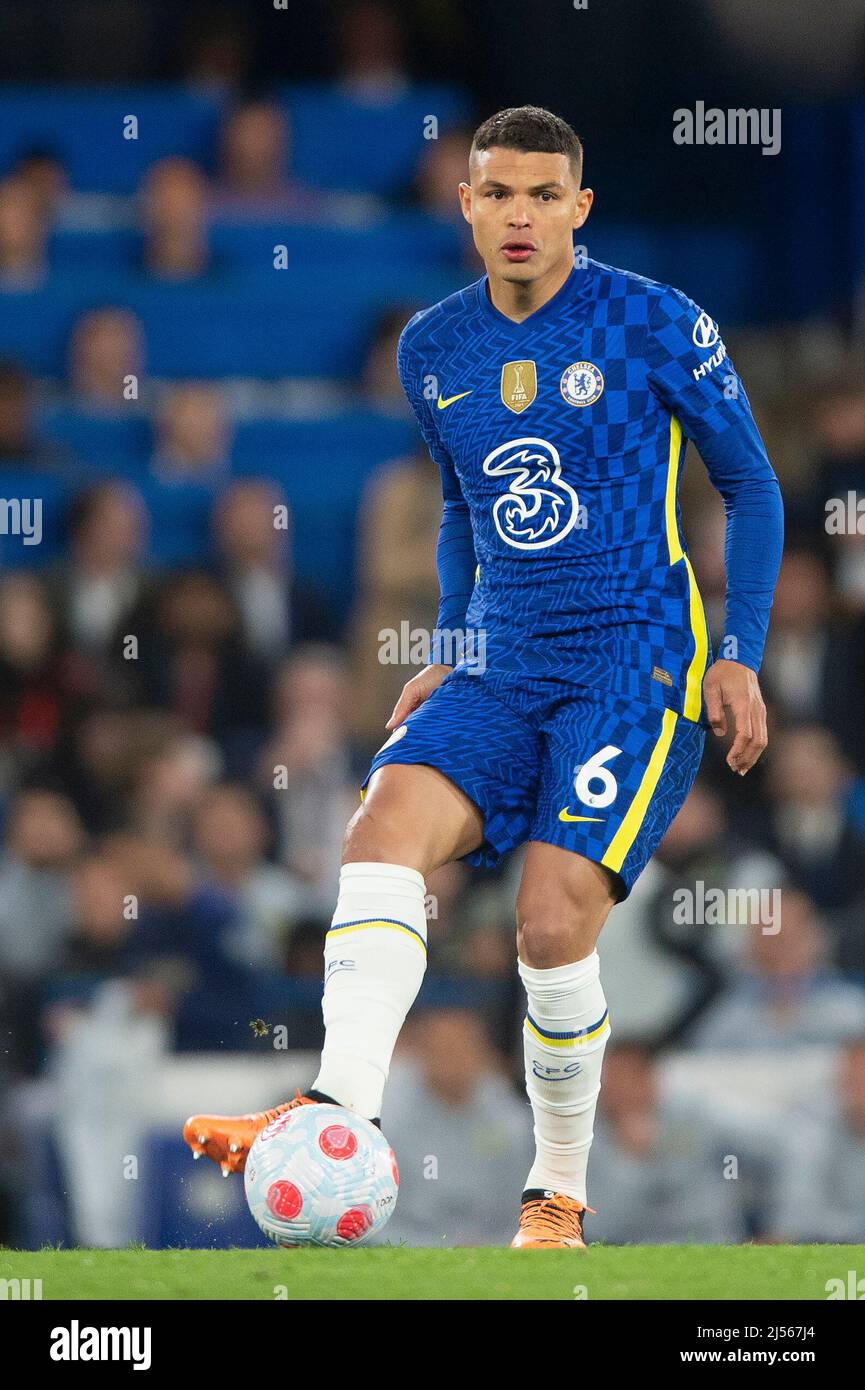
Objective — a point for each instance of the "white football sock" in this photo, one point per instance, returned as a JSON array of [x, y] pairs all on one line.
[[565, 1033], [374, 962]]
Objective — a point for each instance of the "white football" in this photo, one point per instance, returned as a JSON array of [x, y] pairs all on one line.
[[320, 1175]]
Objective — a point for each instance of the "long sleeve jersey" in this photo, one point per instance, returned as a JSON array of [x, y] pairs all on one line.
[[560, 442]]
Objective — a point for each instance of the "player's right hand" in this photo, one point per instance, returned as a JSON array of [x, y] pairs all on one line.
[[415, 691], [730, 685]]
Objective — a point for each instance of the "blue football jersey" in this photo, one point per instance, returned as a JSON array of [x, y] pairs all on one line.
[[560, 443]]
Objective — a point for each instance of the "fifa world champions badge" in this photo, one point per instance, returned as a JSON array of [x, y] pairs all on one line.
[[519, 385]]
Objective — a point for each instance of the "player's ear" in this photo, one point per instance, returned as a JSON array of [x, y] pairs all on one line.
[[585, 198], [466, 201]]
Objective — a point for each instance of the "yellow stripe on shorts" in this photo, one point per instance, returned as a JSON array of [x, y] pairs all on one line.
[[627, 832]]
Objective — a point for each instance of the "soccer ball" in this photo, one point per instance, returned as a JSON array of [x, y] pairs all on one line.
[[319, 1175]]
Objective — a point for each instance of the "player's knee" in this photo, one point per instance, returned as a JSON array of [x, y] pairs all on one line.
[[553, 929], [366, 837], [379, 835]]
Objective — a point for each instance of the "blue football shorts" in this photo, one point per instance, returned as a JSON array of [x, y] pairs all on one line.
[[548, 760]]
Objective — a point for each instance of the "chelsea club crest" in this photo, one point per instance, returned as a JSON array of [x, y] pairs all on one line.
[[581, 383]]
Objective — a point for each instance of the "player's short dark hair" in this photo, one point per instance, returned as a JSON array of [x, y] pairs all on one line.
[[534, 130]]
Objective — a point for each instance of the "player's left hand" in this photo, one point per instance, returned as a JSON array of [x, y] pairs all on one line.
[[731, 686]]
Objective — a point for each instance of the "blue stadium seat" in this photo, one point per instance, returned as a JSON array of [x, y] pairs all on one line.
[[318, 322], [179, 520], [77, 249], [356, 436], [271, 326], [35, 325], [408, 239], [118, 443], [84, 127], [340, 142], [322, 467], [278, 324]]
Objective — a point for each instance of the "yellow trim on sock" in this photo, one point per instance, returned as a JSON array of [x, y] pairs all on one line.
[[380, 925], [566, 1042]]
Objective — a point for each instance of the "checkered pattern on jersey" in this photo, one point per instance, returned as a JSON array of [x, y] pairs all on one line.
[[568, 502]]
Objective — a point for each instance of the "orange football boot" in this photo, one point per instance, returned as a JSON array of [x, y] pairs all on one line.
[[551, 1221], [227, 1139]]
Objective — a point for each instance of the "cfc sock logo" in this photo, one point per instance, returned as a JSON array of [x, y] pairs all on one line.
[[564, 1073], [333, 966]]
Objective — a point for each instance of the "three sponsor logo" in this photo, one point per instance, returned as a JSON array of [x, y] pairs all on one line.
[[539, 507]]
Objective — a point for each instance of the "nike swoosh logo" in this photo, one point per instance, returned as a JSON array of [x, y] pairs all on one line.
[[443, 404], [565, 815]]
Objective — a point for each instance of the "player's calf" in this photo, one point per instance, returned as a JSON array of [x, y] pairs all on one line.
[[413, 820], [563, 901], [374, 962]]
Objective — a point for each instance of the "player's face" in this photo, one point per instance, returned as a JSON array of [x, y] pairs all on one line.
[[523, 208]]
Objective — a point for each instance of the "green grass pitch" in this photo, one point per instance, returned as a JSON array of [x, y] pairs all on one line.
[[602, 1272]]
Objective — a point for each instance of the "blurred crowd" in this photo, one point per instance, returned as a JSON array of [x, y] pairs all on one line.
[[181, 745]]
